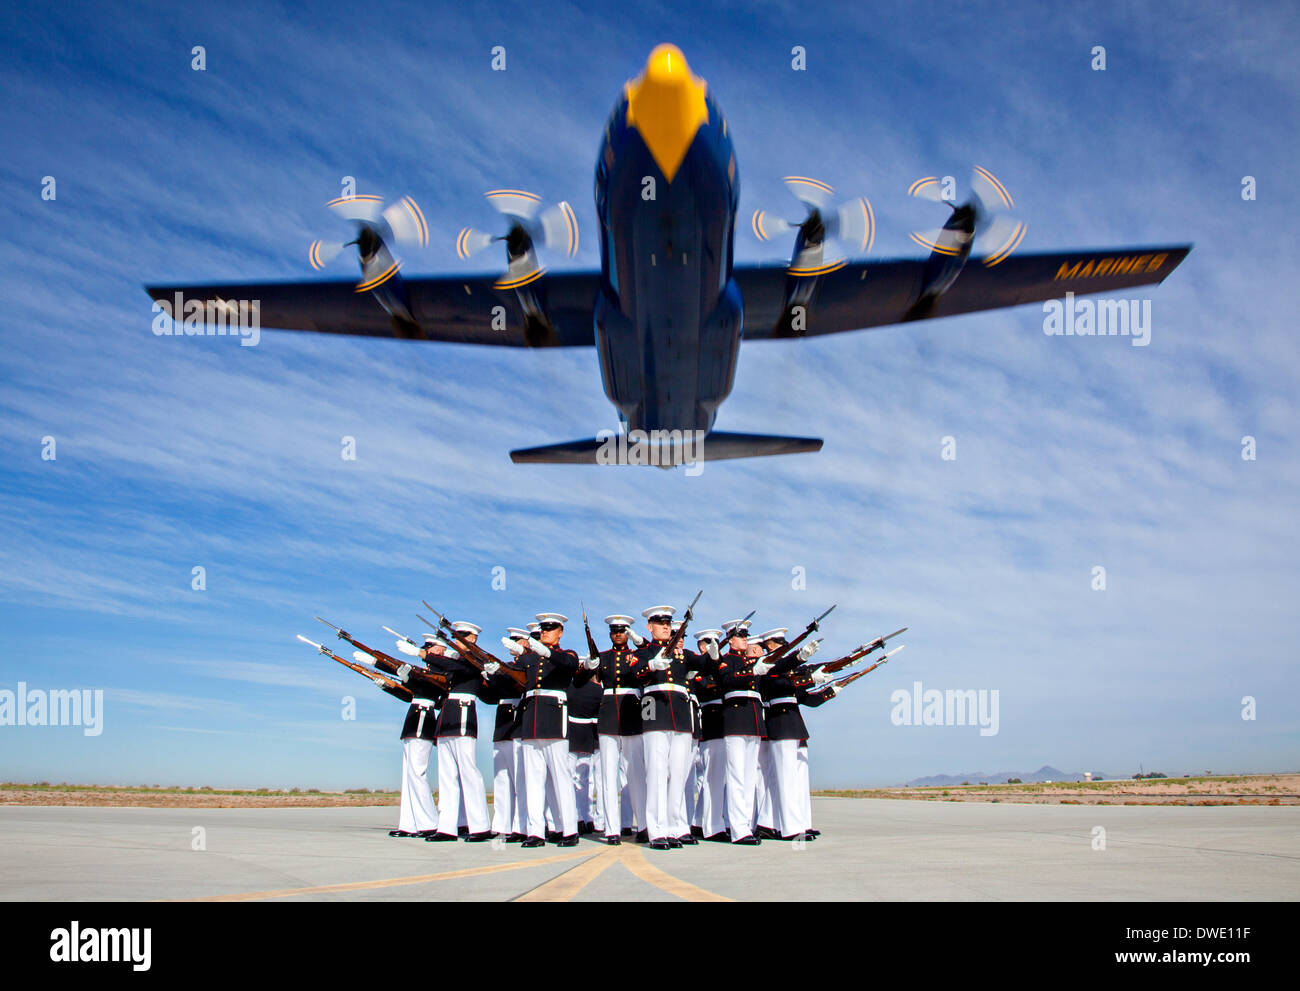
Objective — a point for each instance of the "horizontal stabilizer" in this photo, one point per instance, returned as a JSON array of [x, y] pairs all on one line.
[[623, 449]]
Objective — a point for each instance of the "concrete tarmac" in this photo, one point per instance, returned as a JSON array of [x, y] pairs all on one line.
[[870, 849]]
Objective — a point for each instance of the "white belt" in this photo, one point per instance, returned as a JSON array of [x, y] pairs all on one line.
[[623, 691], [582, 719], [464, 698], [711, 702], [552, 693], [667, 688], [509, 702], [743, 695], [424, 703], [784, 700]]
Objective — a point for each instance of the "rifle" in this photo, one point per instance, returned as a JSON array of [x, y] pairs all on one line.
[[592, 649], [394, 688], [403, 638], [785, 648], [472, 652], [858, 653], [850, 679], [680, 633], [387, 659]]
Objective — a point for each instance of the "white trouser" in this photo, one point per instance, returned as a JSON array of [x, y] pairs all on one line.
[[418, 812], [742, 773], [625, 756], [785, 788], [552, 808], [667, 763], [584, 784], [459, 777], [692, 795], [505, 813], [625, 797], [519, 818], [549, 760], [804, 788], [713, 805], [762, 806]]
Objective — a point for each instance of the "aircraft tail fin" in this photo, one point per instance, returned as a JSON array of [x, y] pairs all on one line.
[[614, 449]]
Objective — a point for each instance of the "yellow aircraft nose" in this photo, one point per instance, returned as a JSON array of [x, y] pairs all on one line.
[[666, 105]]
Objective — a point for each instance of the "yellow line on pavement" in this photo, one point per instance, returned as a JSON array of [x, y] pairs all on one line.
[[568, 884], [635, 861], [250, 896]]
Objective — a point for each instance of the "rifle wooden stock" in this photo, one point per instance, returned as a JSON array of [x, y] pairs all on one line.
[[784, 650], [472, 652], [388, 684], [592, 649]]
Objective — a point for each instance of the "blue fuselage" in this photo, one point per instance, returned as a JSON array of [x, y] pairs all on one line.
[[669, 317]]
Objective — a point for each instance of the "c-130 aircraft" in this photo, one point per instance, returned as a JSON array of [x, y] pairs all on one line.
[[668, 309]]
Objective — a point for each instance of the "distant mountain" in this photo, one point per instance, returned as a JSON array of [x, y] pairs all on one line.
[[1044, 773]]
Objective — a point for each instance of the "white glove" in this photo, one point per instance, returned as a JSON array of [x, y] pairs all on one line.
[[591, 663], [409, 649], [491, 668], [691, 675], [451, 654], [808, 649], [636, 638], [511, 646], [762, 667], [537, 647], [361, 657], [836, 689], [712, 650], [820, 677], [660, 662], [402, 671]]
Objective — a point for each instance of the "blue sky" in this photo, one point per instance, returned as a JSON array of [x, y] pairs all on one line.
[[1071, 452]]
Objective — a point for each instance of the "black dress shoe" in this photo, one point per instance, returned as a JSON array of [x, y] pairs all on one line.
[[697, 832], [765, 833], [748, 841], [814, 833], [401, 832], [687, 840], [810, 836], [660, 845], [533, 841], [613, 841], [442, 838], [516, 838], [462, 831], [553, 836], [674, 842], [479, 837], [629, 831], [719, 838], [570, 840], [643, 836], [585, 828], [795, 836], [424, 834]]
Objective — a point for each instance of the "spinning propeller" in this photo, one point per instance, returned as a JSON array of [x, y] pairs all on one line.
[[980, 218], [852, 223], [378, 226], [555, 228]]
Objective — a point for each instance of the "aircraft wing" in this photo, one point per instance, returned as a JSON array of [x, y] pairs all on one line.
[[875, 294], [455, 309]]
